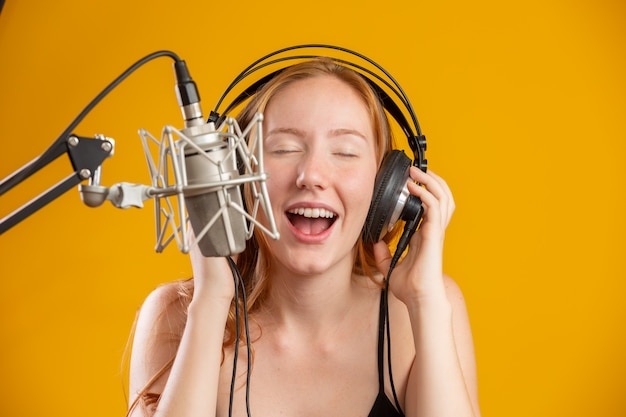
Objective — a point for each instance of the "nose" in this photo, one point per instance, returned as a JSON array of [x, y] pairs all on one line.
[[313, 173]]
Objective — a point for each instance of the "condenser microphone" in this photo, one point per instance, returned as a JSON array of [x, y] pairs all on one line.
[[210, 164]]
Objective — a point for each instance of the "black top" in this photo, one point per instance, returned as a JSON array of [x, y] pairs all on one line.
[[383, 407]]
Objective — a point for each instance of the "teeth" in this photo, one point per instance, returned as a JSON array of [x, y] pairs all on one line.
[[313, 212]]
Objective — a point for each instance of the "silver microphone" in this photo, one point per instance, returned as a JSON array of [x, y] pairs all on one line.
[[220, 228]]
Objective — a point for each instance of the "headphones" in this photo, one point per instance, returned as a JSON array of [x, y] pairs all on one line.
[[391, 200]]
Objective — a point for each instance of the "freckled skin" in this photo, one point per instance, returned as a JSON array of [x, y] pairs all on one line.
[[319, 152]]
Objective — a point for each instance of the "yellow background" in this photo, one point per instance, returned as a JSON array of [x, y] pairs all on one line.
[[523, 105]]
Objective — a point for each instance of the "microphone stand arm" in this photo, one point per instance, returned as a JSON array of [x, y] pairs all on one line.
[[86, 155]]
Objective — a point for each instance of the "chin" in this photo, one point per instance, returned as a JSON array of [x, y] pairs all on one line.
[[310, 261]]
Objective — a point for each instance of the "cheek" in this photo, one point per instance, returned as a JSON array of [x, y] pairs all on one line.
[[279, 179], [358, 189]]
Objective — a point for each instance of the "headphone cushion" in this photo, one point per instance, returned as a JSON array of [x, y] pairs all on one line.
[[390, 181]]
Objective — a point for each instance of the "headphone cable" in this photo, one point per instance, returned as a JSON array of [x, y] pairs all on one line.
[[409, 229]]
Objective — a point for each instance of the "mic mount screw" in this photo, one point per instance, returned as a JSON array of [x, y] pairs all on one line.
[[106, 146], [85, 173]]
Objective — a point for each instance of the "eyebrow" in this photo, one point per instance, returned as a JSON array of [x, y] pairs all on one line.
[[289, 130], [341, 132], [300, 133]]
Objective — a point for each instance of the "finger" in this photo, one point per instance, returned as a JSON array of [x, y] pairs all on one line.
[[447, 191], [435, 184], [438, 187], [432, 207]]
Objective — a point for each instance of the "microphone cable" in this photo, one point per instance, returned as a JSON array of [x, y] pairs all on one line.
[[240, 288], [34, 165]]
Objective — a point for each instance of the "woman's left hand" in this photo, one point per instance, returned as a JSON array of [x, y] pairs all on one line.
[[419, 274]]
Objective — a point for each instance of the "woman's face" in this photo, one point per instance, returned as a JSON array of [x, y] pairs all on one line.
[[321, 163]]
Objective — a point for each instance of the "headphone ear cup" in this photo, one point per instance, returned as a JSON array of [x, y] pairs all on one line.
[[387, 203]]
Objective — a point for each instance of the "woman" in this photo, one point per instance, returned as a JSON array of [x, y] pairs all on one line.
[[314, 295]]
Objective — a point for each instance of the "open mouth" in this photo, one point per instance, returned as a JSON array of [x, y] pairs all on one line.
[[311, 221]]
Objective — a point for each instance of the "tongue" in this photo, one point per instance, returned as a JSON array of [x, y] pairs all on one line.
[[310, 226]]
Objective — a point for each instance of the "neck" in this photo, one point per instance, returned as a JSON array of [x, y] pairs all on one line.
[[310, 300]]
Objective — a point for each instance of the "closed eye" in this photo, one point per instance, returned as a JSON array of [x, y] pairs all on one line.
[[284, 151], [346, 154]]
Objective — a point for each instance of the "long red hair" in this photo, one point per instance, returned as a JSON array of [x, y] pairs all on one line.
[[254, 262]]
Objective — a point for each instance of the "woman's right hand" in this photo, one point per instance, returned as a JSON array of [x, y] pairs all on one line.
[[213, 278]]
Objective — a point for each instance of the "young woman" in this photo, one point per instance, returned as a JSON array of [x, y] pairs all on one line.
[[314, 295]]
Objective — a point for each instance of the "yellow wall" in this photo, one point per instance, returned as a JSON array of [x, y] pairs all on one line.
[[523, 105]]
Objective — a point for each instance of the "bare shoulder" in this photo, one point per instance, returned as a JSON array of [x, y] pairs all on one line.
[[463, 338], [168, 300], [163, 313], [158, 330]]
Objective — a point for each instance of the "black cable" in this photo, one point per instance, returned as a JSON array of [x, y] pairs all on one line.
[[240, 287], [388, 331], [248, 347], [409, 229], [234, 270], [34, 166]]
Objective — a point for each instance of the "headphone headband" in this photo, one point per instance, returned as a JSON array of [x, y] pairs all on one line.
[[416, 140]]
